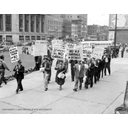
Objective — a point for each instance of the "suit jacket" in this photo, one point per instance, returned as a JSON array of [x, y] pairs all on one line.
[[19, 73], [47, 66], [81, 72]]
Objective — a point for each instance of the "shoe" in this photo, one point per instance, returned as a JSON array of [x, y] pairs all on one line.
[[46, 89], [86, 87], [60, 87], [72, 80], [21, 89], [80, 88], [6, 83], [75, 90], [16, 91]]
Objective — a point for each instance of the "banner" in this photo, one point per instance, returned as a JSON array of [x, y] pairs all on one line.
[[75, 54], [14, 55], [58, 49]]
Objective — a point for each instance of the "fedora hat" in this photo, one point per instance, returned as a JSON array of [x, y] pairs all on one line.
[[19, 61]]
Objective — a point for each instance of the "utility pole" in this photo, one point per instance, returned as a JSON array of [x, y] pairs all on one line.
[[115, 31]]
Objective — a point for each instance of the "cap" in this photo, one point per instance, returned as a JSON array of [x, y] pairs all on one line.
[[19, 61]]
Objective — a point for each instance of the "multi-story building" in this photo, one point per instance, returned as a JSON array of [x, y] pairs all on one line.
[[74, 30], [53, 25], [21, 27], [99, 32], [66, 28], [80, 20]]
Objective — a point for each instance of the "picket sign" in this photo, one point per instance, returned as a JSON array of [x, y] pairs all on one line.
[[98, 52], [76, 53], [14, 54], [39, 48], [58, 49], [87, 49]]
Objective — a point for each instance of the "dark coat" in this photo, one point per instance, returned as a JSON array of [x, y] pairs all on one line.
[[81, 72], [20, 73], [48, 67], [60, 81]]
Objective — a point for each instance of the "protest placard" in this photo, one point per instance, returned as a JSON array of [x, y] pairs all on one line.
[[14, 55], [39, 49], [97, 52], [58, 49], [76, 53], [87, 49]]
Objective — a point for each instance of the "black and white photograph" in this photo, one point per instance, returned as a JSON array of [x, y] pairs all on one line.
[[63, 63]]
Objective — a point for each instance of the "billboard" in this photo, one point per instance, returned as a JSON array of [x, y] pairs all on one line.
[[122, 21]]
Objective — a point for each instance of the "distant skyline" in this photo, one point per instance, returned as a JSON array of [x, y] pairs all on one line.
[[98, 19]]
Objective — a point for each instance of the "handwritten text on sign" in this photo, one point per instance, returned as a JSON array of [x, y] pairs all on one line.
[[14, 55]]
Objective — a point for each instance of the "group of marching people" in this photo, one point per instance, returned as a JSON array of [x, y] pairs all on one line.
[[87, 71]]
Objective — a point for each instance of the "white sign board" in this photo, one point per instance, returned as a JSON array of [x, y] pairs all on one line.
[[87, 49], [14, 55], [58, 49], [39, 49], [98, 52], [76, 54]]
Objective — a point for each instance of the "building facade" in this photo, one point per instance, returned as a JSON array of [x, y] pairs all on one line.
[[53, 25], [74, 30], [79, 20], [122, 28], [21, 27], [97, 32]]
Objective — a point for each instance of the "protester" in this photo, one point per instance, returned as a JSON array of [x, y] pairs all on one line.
[[107, 64], [60, 74], [72, 62], [66, 63], [19, 75], [3, 66], [79, 74], [95, 70], [46, 71], [91, 72]]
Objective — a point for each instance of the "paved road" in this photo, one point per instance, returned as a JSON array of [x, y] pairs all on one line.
[[103, 98]]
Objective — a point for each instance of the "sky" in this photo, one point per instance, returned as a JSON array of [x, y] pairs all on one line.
[[98, 19]]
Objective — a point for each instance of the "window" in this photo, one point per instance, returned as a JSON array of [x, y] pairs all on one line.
[[26, 23], [1, 22], [21, 38], [38, 37], [20, 22], [42, 23], [37, 23], [9, 38], [0, 38], [32, 23], [32, 37], [27, 38], [8, 22]]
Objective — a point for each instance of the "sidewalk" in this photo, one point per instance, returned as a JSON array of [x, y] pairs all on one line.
[[104, 97]]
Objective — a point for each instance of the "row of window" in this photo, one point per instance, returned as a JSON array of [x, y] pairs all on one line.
[[8, 22], [54, 22], [35, 24], [22, 38], [28, 21]]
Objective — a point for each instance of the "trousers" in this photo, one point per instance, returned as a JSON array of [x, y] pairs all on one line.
[[46, 77]]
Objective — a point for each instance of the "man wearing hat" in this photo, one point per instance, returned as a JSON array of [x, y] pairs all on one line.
[[19, 75], [3, 66]]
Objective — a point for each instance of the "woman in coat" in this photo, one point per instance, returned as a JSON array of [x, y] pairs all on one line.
[[60, 79]]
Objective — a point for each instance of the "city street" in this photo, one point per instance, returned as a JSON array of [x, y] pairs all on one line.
[[103, 98]]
